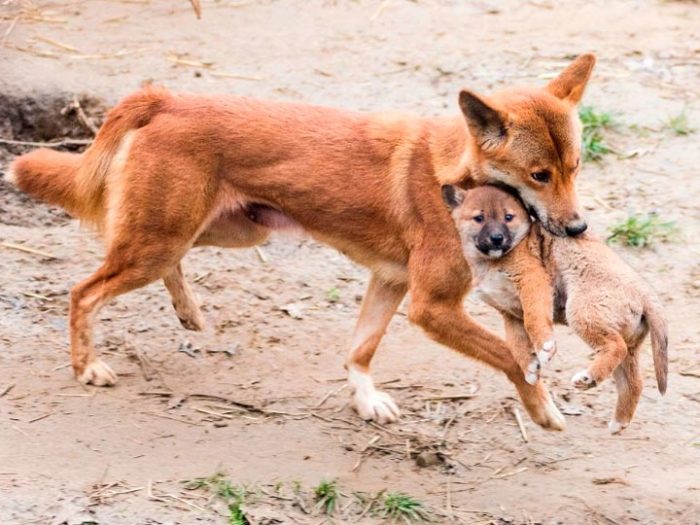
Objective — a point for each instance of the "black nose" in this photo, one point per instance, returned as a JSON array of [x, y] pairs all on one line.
[[577, 228], [496, 239]]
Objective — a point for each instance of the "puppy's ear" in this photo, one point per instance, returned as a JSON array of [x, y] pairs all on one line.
[[486, 123], [571, 83], [452, 195]]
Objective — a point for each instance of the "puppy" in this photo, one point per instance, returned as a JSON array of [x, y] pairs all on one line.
[[534, 278]]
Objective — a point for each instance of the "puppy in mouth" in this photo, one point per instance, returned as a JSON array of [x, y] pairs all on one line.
[[534, 279]]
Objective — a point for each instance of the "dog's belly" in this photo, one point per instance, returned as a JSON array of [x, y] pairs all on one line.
[[497, 290], [232, 229]]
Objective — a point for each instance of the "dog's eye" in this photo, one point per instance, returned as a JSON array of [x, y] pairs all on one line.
[[479, 219], [509, 217], [541, 176]]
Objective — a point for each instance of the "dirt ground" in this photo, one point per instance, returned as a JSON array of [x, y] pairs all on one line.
[[259, 395]]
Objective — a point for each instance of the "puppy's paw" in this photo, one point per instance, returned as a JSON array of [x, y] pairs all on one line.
[[546, 353], [616, 427], [532, 374], [98, 373], [376, 406], [583, 380]]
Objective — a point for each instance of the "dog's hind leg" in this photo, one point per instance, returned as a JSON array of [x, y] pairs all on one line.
[[378, 307], [125, 268], [628, 381], [183, 299]]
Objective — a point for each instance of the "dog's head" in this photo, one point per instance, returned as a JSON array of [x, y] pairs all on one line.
[[530, 140], [490, 221]]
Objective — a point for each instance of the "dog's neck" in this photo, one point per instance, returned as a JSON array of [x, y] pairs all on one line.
[[451, 149]]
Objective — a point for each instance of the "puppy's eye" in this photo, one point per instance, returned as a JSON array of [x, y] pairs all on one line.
[[542, 176], [509, 217], [479, 219]]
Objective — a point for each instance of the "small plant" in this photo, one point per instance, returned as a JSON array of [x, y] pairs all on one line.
[[220, 486], [327, 496], [639, 231], [679, 124], [594, 125], [399, 506], [333, 295]]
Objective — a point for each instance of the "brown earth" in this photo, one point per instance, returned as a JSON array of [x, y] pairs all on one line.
[[70, 454]]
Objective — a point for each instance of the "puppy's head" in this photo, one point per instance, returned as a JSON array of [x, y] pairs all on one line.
[[490, 221], [530, 140]]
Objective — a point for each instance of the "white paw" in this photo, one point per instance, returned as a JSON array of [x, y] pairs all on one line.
[[583, 380], [533, 371], [377, 406], [546, 353], [550, 417], [98, 374], [616, 427]]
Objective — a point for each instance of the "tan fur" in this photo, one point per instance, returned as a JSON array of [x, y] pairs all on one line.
[[168, 172], [595, 292]]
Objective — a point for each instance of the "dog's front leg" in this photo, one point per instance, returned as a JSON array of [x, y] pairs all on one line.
[[378, 307], [438, 282]]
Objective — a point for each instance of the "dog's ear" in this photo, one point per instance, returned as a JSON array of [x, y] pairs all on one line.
[[452, 195], [571, 83], [486, 123]]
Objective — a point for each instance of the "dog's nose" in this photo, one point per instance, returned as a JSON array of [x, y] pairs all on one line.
[[576, 228], [496, 239]]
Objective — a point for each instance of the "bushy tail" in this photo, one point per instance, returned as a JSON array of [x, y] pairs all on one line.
[[659, 343], [76, 182]]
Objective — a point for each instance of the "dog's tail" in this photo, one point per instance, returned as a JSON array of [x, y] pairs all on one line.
[[76, 182], [659, 341]]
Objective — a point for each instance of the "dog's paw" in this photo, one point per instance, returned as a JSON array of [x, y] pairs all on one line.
[[532, 373], [377, 406], [194, 322], [547, 415], [583, 380], [616, 427], [546, 353], [98, 373]]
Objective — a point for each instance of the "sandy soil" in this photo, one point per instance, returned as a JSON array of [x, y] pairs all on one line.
[[74, 455]]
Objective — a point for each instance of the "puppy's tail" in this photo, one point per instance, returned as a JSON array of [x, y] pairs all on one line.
[[76, 182], [659, 342]]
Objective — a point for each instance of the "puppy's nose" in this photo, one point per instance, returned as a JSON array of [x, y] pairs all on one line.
[[575, 228], [496, 239]]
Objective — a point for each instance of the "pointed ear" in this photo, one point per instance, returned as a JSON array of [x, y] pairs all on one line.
[[486, 123], [571, 83], [452, 195]]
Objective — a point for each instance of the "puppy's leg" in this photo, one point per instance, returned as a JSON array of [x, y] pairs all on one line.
[[628, 380], [184, 300], [611, 350], [537, 298], [379, 305], [519, 341]]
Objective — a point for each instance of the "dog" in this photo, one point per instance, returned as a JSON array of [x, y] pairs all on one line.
[[534, 278], [168, 172]]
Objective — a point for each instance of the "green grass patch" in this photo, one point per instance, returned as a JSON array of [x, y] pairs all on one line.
[[233, 495], [397, 506], [679, 124], [595, 125], [641, 230], [327, 497], [333, 295]]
